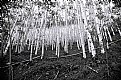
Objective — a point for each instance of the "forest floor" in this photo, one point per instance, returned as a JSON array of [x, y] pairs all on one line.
[[71, 66]]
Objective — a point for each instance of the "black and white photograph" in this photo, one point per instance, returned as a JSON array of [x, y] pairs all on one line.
[[60, 39]]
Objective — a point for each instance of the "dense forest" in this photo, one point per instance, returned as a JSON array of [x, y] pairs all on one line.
[[60, 40]]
